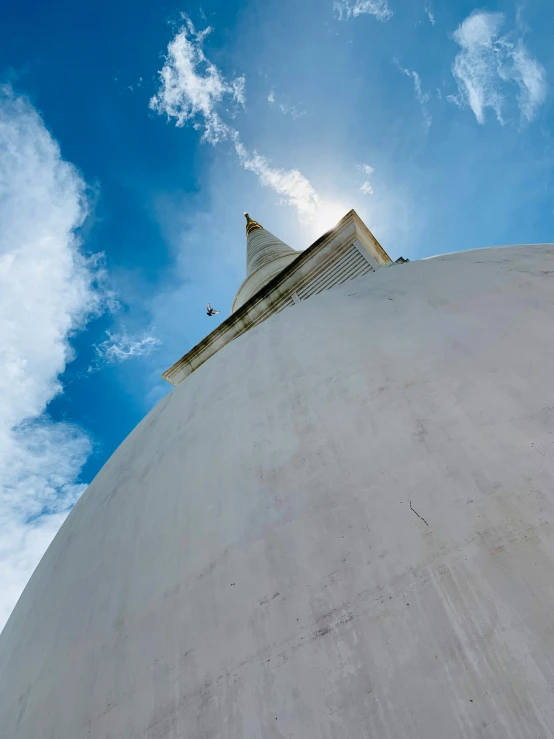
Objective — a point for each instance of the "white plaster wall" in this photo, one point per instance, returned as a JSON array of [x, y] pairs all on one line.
[[248, 564], [261, 277]]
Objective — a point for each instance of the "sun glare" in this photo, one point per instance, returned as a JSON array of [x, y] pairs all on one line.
[[327, 216]]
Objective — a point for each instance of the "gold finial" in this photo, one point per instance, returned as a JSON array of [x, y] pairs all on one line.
[[251, 225]]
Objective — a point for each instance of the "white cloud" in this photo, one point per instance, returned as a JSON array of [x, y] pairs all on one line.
[[192, 90], [48, 290], [192, 87], [119, 347], [353, 8], [365, 168], [489, 62], [291, 110], [422, 97], [238, 86], [366, 187], [530, 76], [286, 109], [291, 184], [430, 15]]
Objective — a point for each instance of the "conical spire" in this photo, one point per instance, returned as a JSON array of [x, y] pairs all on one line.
[[262, 247]]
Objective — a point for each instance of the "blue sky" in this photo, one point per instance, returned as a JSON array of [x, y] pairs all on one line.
[[134, 135]]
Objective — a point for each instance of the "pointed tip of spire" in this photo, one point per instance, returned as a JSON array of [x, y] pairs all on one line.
[[251, 225]]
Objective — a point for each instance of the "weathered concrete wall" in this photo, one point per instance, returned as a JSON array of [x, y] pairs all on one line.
[[340, 526]]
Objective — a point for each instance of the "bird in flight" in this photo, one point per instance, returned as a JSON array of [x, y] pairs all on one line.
[[210, 311]]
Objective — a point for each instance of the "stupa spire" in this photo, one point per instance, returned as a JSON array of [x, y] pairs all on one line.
[[266, 255], [262, 247], [251, 225]]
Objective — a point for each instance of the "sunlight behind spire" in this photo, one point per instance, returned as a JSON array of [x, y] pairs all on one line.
[[328, 215]]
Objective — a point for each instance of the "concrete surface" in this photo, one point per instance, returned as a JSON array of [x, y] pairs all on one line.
[[340, 526]]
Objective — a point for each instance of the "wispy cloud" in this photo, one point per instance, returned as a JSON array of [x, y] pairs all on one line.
[[285, 108], [430, 15], [192, 89], [238, 87], [119, 347], [530, 76], [422, 97], [291, 184], [366, 186], [489, 63], [48, 290], [353, 8]]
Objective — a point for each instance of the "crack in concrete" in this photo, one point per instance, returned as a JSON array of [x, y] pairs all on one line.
[[417, 514]]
